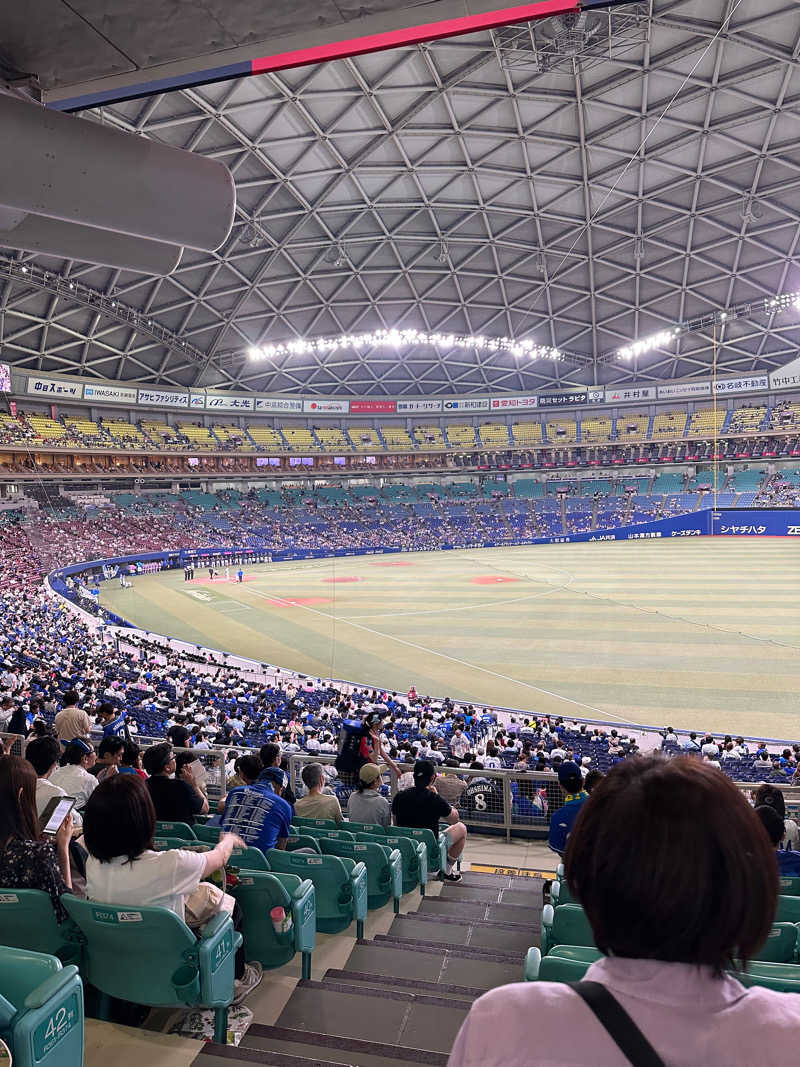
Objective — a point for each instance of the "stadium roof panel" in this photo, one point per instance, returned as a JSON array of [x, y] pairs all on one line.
[[469, 185]]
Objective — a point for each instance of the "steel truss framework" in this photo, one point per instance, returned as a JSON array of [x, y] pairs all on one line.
[[435, 188]]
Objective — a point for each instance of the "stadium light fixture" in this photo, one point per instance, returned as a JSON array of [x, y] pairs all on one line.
[[403, 339], [647, 344]]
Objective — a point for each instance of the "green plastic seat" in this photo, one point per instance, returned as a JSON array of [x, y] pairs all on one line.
[[579, 953], [788, 910], [565, 925], [781, 944], [296, 841], [783, 977], [175, 829], [560, 894], [437, 847], [27, 921], [789, 887], [164, 964], [164, 844], [384, 868], [248, 859], [414, 855], [209, 834], [41, 1009], [365, 828], [319, 824], [540, 968], [318, 832], [340, 884], [258, 892]]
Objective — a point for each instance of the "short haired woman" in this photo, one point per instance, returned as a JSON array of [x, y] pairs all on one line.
[[679, 882], [26, 860], [73, 776], [122, 868]]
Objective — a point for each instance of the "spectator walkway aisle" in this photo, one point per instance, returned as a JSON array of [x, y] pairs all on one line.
[[401, 997]]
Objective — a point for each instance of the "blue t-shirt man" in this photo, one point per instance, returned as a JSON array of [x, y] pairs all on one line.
[[258, 813], [562, 820], [113, 721]]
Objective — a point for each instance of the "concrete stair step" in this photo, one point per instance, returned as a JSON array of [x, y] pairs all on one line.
[[407, 985], [407, 1020], [499, 912], [266, 1044], [464, 967], [475, 933], [528, 897]]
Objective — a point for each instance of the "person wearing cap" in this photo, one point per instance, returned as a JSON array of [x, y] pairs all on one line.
[[421, 807], [175, 799], [316, 804], [258, 813], [366, 804], [575, 796]]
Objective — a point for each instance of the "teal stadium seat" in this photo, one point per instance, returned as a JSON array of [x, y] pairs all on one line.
[[296, 841], [437, 848], [319, 824], [249, 858], [781, 944], [208, 834], [565, 925], [365, 828], [332, 835], [554, 968], [384, 868], [164, 964], [340, 884], [414, 855], [788, 910], [41, 1009], [175, 829], [258, 892], [560, 894], [27, 921], [789, 887], [782, 977]]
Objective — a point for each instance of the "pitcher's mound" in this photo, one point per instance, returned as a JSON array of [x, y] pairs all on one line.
[[492, 579]]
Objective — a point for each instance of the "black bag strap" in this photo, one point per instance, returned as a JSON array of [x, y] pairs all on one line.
[[620, 1026]]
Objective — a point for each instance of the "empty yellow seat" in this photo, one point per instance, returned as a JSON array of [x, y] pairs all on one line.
[[267, 438], [632, 427], [365, 439], [429, 437], [669, 424], [397, 439], [333, 439], [747, 419], [200, 437], [300, 439], [494, 435], [596, 429], [704, 421], [562, 431], [527, 433], [460, 435]]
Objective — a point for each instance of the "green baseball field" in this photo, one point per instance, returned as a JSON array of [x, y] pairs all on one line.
[[694, 632]]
